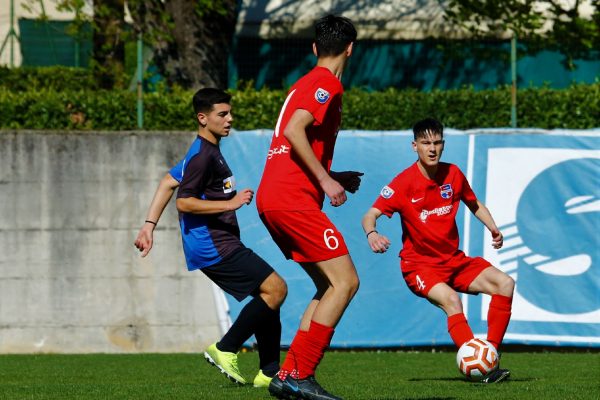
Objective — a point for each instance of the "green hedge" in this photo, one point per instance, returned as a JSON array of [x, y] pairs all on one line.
[[54, 78], [63, 99]]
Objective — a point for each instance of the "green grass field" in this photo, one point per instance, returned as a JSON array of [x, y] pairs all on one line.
[[352, 375]]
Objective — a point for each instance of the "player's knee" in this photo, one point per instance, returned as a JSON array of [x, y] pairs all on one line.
[[453, 304], [279, 291], [351, 285], [274, 291], [506, 286]]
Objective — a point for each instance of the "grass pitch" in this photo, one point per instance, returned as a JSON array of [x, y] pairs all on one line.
[[352, 375]]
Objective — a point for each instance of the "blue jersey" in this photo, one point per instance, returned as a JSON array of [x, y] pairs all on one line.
[[204, 174]]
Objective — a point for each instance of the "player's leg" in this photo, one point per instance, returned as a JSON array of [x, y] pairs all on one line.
[[336, 282], [241, 274], [268, 333], [500, 287], [449, 301], [290, 364]]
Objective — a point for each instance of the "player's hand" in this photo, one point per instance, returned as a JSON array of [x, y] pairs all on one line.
[[144, 239], [333, 190], [379, 243], [497, 239], [350, 180], [242, 197]]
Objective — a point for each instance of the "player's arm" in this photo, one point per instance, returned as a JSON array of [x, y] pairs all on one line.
[[194, 205], [295, 133], [161, 198], [378, 243], [483, 214], [350, 180]]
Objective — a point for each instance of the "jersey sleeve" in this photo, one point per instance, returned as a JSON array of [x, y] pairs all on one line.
[[317, 97], [177, 171], [389, 200], [196, 175], [466, 195]]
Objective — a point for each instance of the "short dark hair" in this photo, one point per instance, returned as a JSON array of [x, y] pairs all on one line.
[[333, 34], [205, 99], [426, 126]]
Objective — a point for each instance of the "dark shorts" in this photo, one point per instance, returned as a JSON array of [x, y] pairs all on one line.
[[240, 274]]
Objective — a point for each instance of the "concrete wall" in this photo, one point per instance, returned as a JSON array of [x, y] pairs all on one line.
[[70, 278]]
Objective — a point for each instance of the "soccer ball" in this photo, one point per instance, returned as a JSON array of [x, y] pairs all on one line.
[[476, 359]]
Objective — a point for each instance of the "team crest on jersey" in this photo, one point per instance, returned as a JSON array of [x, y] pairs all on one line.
[[387, 192], [446, 191], [321, 95], [228, 184]]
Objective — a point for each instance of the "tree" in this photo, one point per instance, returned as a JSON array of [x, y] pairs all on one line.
[[553, 25], [109, 42], [191, 39]]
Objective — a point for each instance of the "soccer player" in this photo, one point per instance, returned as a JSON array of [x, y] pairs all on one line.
[[427, 196], [207, 200], [290, 197]]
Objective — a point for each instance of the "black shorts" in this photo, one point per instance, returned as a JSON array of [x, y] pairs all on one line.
[[240, 273]]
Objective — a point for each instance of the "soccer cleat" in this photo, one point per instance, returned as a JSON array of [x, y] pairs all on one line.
[[496, 376], [226, 363], [307, 389], [261, 380], [276, 389]]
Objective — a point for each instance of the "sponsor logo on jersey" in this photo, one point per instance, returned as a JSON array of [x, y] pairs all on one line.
[[283, 149], [446, 191], [228, 184], [439, 211], [321, 95], [387, 192]]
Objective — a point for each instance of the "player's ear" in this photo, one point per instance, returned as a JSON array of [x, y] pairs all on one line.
[[414, 146], [315, 50], [349, 49], [202, 119]]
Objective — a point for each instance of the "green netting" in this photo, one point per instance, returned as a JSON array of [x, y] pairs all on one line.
[[424, 65], [45, 43], [376, 64]]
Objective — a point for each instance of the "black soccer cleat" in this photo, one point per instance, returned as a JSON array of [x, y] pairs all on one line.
[[307, 389], [496, 376], [276, 389]]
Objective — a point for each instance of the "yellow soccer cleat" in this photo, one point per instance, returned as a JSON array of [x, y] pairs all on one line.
[[226, 362], [261, 380]]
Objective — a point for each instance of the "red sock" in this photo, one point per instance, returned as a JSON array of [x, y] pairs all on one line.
[[317, 340], [459, 329], [290, 364], [498, 318]]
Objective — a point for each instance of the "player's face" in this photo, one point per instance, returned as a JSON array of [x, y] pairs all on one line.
[[429, 148], [218, 120]]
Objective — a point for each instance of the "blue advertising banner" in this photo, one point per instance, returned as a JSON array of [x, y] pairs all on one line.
[[543, 189]]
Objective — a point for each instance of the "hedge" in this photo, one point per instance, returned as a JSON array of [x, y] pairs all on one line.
[[38, 106]]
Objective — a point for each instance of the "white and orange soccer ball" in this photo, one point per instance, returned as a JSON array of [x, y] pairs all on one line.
[[476, 359]]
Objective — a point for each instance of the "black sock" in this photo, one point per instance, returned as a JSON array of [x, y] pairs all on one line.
[[268, 338], [251, 316]]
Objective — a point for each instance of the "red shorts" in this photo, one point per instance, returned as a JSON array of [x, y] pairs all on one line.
[[304, 236], [458, 273]]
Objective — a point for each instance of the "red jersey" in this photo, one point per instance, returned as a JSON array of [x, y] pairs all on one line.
[[286, 183], [427, 211]]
